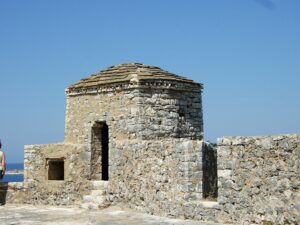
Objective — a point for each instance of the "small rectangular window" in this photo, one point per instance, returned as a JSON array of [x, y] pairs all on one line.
[[56, 169]]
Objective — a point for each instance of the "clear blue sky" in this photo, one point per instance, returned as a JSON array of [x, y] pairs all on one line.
[[246, 52]]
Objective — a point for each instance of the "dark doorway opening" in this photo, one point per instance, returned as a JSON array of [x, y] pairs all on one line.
[[56, 169], [100, 151], [210, 171]]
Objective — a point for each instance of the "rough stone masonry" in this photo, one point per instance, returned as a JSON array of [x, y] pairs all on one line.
[[134, 136], [137, 127], [259, 179]]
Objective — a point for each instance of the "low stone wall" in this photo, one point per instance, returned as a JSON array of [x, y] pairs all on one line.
[[12, 192], [259, 179], [41, 190]]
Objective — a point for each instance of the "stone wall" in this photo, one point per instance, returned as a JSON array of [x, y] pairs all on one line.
[[147, 112], [259, 179], [154, 176], [13, 192], [40, 190], [165, 113]]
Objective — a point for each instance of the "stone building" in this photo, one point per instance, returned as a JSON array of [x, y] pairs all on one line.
[[134, 136], [134, 131]]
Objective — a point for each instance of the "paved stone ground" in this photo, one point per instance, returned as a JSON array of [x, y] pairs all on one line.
[[53, 215]]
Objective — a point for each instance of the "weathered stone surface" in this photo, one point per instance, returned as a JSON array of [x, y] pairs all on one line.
[[264, 181], [40, 190]]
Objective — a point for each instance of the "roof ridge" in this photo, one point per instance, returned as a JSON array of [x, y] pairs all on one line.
[[122, 73]]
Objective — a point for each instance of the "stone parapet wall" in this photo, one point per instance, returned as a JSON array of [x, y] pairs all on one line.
[[259, 179], [55, 192]]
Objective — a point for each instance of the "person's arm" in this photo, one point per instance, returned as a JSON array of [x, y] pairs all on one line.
[[3, 163]]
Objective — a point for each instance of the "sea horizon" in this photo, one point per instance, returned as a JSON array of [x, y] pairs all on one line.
[[14, 166], [13, 177]]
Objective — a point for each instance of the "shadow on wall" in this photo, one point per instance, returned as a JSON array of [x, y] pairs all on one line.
[[210, 175], [3, 192]]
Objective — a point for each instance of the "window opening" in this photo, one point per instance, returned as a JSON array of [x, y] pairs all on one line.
[[56, 169]]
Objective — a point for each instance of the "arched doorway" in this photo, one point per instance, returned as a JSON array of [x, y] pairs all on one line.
[[99, 151]]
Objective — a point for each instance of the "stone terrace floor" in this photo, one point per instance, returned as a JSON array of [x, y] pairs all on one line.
[[53, 215]]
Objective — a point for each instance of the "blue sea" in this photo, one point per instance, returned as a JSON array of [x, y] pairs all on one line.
[[14, 177]]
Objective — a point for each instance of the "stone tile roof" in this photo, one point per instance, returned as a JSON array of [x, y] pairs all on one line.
[[125, 73]]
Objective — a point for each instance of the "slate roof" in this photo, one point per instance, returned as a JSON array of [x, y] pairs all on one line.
[[123, 73]]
